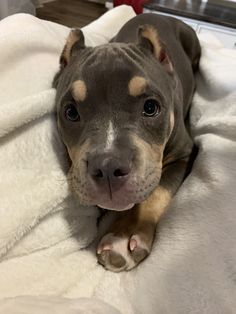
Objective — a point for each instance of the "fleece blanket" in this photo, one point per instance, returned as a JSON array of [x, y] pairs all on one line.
[[43, 268]]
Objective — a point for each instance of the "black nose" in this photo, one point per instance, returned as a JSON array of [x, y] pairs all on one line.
[[108, 169]]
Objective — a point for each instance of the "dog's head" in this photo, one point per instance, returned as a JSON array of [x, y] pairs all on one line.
[[115, 115]]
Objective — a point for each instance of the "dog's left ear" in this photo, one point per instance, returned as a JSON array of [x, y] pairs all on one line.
[[148, 38], [74, 43]]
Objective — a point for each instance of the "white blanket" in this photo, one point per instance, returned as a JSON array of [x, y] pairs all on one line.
[[192, 268]]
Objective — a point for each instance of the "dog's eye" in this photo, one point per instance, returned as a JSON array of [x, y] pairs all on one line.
[[151, 108], [71, 113]]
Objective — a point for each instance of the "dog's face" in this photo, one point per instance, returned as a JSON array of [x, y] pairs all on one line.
[[115, 115]]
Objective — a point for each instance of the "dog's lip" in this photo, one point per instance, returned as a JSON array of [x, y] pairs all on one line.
[[116, 208]]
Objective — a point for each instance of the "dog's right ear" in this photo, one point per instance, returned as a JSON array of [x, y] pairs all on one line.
[[74, 43]]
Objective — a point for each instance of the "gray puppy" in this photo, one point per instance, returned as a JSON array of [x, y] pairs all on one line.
[[121, 111]]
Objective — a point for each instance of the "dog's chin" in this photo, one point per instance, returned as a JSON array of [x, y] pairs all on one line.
[[116, 207]]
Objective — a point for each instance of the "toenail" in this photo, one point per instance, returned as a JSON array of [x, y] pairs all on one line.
[[132, 244]]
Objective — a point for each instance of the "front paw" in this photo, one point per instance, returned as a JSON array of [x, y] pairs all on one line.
[[122, 251]]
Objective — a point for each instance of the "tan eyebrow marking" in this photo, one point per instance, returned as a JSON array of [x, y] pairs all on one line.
[[79, 90], [137, 86]]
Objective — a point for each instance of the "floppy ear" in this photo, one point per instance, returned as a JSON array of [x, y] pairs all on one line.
[[74, 42], [148, 38]]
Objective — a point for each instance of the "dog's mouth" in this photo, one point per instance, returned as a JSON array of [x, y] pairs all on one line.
[[116, 207], [122, 199]]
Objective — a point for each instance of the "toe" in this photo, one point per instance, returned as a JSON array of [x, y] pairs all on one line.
[[138, 248], [138, 254], [112, 260]]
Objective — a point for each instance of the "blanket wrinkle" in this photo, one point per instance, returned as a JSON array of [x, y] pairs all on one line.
[[11, 119], [44, 266]]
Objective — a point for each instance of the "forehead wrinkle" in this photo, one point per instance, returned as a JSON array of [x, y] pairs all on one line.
[[79, 90], [99, 55], [133, 53], [135, 57]]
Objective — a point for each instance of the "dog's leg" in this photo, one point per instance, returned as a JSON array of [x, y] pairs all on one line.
[[129, 240]]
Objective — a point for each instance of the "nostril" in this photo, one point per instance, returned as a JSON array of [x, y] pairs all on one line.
[[98, 173], [120, 173]]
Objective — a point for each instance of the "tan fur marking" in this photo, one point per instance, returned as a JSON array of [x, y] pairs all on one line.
[[169, 158], [151, 34], [79, 90], [137, 86], [77, 153], [154, 206], [149, 152], [172, 120], [149, 211]]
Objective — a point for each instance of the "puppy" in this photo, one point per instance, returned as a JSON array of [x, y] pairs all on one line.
[[121, 111]]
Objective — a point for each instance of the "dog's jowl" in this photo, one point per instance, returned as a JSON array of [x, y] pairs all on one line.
[[121, 111]]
